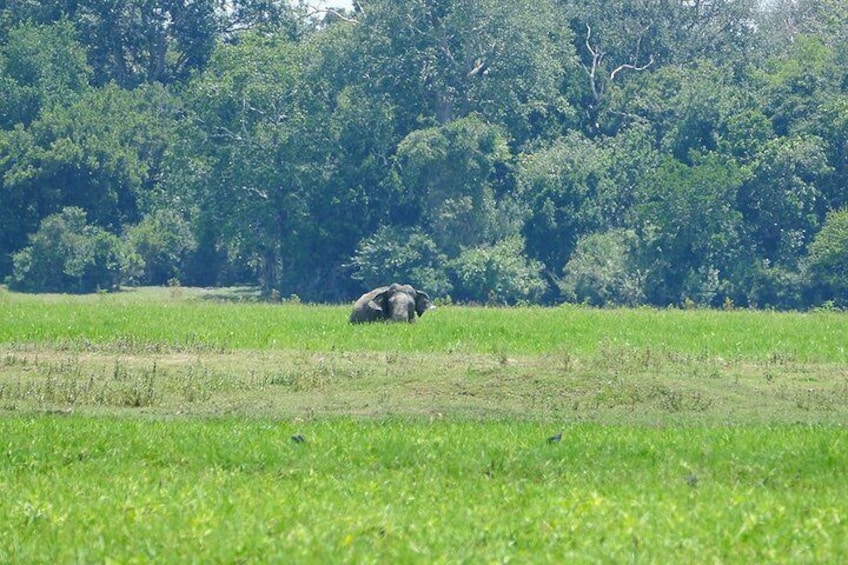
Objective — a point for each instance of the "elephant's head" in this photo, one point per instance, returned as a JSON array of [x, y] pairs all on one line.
[[398, 302]]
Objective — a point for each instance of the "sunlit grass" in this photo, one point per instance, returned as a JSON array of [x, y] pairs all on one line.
[[150, 319], [155, 425], [445, 491]]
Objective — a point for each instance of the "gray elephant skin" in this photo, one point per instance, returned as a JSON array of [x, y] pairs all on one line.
[[397, 302]]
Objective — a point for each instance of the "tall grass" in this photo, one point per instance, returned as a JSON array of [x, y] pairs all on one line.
[[149, 320], [94, 490]]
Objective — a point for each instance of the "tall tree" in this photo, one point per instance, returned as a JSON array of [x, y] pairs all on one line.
[[691, 232], [136, 41], [804, 96], [783, 21], [827, 262], [253, 147], [693, 110], [781, 200], [561, 184], [615, 40], [441, 61]]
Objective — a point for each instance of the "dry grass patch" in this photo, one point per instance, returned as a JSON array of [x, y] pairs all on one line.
[[613, 385]]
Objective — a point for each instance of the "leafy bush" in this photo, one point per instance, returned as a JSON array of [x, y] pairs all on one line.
[[404, 255], [600, 271], [498, 274], [159, 246], [68, 255]]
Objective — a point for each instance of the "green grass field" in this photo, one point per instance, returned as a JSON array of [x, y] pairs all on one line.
[[156, 425]]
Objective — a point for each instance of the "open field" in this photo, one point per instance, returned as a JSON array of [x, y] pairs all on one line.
[[156, 425], [206, 321]]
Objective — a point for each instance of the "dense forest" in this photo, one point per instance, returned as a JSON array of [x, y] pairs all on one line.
[[612, 152]]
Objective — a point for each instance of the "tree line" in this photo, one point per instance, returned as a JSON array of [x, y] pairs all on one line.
[[661, 152]]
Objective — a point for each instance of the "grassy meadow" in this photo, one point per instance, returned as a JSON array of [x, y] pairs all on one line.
[[157, 425]]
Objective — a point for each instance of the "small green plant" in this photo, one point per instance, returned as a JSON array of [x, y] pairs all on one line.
[[175, 287]]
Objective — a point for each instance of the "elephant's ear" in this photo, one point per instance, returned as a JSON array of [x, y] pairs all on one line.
[[422, 302], [380, 300]]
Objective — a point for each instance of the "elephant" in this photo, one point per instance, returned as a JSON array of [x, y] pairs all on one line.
[[397, 302]]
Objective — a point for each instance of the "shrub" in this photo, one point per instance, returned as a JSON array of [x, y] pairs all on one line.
[[827, 259], [159, 247], [405, 255], [68, 255], [771, 286], [498, 274], [600, 271]]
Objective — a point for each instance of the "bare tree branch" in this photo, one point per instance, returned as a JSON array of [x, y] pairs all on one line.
[[631, 67], [315, 10], [597, 57], [636, 55], [597, 86], [480, 65]]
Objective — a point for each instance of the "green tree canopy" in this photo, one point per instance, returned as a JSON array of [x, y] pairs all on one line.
[[40, 66], [642, 151]]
